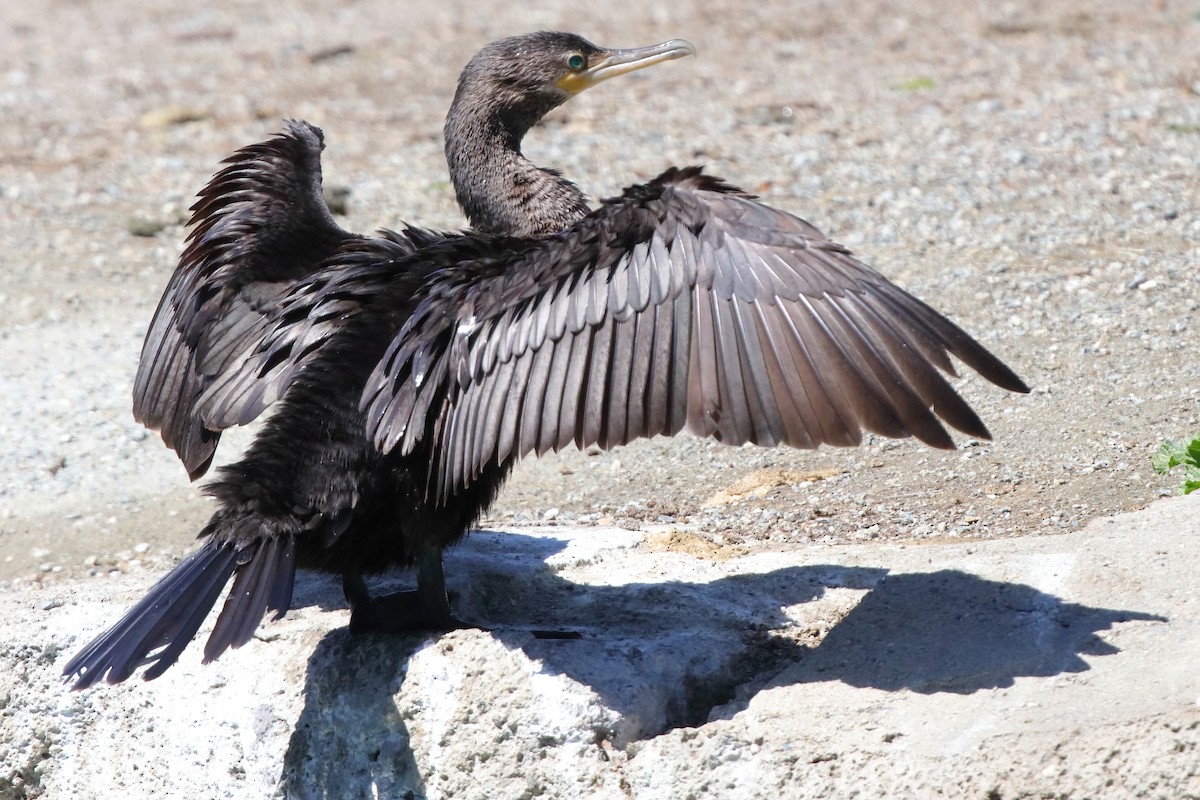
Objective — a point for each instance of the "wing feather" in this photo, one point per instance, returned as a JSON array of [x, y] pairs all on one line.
[[765, 417], [616, 400], [798, 408], [735, 404], [511, 418], [657, 403], [259, 226], [531, 410], [683, 303], [556, 379], [492, 420], [572, 392], [592, 414]]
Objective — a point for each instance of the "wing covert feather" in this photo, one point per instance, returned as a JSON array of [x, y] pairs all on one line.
[[258, 226], [685, 301]]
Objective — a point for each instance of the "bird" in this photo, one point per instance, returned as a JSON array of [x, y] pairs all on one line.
[[409, 370]]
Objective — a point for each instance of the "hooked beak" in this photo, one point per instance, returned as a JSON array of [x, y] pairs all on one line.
[[611, 63]]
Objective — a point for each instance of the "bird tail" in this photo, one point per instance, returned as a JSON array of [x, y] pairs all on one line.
[[156, 630]]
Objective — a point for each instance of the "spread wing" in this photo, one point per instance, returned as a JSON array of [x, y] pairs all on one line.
[[683, 303], [260, 226], [370, 277]]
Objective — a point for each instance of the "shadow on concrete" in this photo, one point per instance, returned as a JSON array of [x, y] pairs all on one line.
[[667, 655], [349, 688], [951, 631]]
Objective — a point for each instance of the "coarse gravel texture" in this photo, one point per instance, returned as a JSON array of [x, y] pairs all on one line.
[[1031, 169]]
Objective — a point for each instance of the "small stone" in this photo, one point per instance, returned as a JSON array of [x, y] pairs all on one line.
[[171, 115], [327, 53], [144, 226]]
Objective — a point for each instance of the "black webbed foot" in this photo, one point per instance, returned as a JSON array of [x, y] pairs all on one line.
[[401, 612], [425, 608]]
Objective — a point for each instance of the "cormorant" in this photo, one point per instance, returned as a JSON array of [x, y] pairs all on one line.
[[413, 369]]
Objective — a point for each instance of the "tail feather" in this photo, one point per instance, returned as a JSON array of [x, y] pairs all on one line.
[[177, 636], [253, 593], [158, 628], [281, 596], [163, 616]]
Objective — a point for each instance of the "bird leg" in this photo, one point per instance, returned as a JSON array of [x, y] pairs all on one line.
[[424, 609]]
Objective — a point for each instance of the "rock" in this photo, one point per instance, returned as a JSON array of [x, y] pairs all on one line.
[[140, 225], [167, 116], [804, 672]]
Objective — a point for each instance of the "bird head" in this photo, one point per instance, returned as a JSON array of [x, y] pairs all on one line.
[[524, 77]]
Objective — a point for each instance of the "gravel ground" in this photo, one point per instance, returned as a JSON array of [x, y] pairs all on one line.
[[1031, 169]]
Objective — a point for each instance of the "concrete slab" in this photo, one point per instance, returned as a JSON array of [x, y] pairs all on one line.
[[1061, 666]]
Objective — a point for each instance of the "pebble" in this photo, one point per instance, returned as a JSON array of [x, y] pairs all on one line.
[[144, 226], [171, 115]]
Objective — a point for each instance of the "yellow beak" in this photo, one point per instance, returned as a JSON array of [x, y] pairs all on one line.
[[611, 63]]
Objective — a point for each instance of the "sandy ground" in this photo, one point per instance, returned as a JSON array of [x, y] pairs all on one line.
[[1031, 169]]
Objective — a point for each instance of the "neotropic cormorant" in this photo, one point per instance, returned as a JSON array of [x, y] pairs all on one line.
[[413, 369]]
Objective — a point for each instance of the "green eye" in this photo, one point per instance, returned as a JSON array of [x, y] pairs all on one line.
[[576, 61]]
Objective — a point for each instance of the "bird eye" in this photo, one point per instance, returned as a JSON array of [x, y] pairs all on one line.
[[576, 61]]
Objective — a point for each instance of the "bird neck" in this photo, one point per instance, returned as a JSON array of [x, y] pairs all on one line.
[[499, 189]]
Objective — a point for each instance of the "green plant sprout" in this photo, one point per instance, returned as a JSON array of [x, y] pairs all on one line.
[[1173, 454]]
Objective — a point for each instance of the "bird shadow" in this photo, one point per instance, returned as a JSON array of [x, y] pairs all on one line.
[[677, 654]]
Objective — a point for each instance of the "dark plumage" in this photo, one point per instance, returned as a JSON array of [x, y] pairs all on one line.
[[413, 369]]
